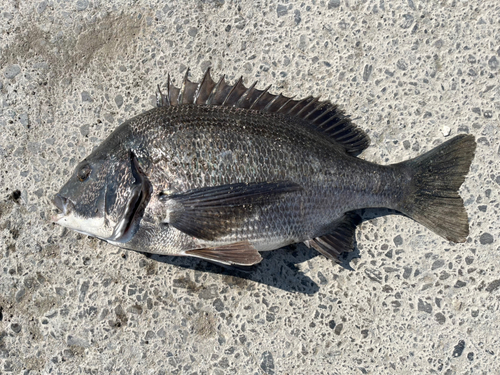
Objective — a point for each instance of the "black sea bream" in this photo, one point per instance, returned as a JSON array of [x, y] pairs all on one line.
[[222, 172]]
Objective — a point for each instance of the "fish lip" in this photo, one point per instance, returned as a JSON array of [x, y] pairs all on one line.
[[63, 204]]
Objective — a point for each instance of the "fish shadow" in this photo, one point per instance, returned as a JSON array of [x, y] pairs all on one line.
[[278, 268]]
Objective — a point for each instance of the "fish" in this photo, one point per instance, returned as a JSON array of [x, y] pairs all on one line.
[[223, 172]]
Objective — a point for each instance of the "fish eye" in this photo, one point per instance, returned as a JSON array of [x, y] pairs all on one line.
[[84, 173]]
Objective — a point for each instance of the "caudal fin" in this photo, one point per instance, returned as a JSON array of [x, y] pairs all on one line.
[[433, 198]]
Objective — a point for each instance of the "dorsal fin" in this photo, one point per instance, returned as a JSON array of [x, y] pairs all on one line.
[[320, 115]]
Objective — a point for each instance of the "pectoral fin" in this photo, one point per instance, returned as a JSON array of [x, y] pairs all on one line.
[[212, 212], [240, 254]]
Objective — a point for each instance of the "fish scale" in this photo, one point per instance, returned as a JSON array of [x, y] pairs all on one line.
[[221, 172]]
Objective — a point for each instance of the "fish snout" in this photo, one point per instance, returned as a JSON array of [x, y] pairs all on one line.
[[63, 204]]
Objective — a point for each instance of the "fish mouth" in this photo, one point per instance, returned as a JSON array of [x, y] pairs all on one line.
[[70, 217], [64, 205]]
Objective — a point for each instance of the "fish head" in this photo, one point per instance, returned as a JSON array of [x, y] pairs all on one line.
[[105, 197]]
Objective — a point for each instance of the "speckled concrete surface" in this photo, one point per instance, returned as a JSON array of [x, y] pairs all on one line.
[[412, 73]]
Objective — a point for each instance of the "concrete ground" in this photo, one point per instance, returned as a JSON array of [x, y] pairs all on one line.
[[411, 73]]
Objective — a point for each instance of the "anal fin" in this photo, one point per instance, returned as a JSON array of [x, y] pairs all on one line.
[[340, 240], [239, 254]]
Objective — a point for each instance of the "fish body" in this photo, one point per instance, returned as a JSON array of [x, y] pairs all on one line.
[[222, 172]]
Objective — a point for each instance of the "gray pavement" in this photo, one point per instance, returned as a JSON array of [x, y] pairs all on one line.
[[411, 73]]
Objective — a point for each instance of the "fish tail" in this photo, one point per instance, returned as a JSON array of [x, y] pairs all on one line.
[[436, 176]]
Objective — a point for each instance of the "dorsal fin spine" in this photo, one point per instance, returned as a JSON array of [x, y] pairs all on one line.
[[260, 96], [280, 109], [182, 89], [245, 95], [275, 99], [214, 91], [160, 102], [198, 89], [168, 89], [231, 91], [297, 103]]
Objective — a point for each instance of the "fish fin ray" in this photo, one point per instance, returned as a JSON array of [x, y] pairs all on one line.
[[287, 105], [433, 198], [173, 93], [212, 212], [295, 107], [340, 240], [163, 100], [205, 88], [188, 90], [182, 89], [160, 98], [323, 116], [305, 106], [260, 101], [235, 254], [220, 92], [244, 100], [234, 94], [276, 103]]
